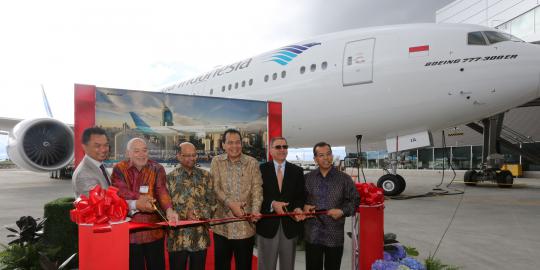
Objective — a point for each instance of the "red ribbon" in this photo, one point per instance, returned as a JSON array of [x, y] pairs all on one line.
[[218, 221], [102, 206], [370, 194]]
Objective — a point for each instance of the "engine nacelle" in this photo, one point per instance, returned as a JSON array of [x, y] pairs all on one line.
[[42, 144]]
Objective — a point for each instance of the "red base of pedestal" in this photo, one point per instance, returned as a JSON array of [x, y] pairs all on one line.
[[370, 235], [105, 249]]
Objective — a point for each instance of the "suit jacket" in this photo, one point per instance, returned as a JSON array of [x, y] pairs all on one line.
[[86, 176], [292, 191]]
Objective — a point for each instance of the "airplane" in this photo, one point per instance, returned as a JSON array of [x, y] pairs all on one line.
[[200, 131], [39, 144], [396, 82]]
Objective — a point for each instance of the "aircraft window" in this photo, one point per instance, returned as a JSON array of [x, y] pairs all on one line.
[[283, 74], [476, 38], [324, 65], [302, 70], [274, 76], [236, 85], [243, 83], [211, 91], [313, 67], [230, 86], [223, 88], [265, 78], [250, 82], [349, 60], [495, 37]]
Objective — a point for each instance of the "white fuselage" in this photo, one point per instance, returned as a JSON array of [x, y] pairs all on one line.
[[382, 82]]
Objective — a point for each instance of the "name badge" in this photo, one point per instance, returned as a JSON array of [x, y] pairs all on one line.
[[143, 189]]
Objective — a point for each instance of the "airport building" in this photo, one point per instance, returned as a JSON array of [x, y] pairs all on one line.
[[462, 145], [520, 18]]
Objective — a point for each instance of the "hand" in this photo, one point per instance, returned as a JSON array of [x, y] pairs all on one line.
[[255, 216], [145, 203], [309, 209], [192, 215], [299, 215], [172, 216], [279, 207], [237, 208], [335, 213]]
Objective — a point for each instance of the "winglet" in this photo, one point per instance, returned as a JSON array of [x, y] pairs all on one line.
[[46, 103]]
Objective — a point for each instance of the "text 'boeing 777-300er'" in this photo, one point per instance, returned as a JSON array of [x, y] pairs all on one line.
[[395, 82]]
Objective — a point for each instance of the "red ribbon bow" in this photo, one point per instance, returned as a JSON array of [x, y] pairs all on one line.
[[370, 194], [100, 207]]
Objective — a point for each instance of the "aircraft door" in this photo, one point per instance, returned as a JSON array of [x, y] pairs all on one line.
[[358, 62]]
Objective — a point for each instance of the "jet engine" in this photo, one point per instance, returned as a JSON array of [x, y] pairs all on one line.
[[42, 144]]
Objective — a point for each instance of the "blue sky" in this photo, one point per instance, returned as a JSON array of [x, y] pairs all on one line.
[[3, 142]]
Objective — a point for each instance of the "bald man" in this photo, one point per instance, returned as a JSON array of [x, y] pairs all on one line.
[[193, 198], [141, 182]]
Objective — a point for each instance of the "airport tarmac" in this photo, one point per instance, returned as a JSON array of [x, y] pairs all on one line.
[[484, 228]]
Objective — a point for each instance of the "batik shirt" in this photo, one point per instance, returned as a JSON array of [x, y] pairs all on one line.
[[336, 190], [128, 179], [190, 192], [238, 181]]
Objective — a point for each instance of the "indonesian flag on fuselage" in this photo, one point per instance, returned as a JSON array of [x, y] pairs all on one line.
[[422, 50]]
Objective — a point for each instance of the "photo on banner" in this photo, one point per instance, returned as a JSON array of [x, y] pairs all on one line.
[[165, 120]]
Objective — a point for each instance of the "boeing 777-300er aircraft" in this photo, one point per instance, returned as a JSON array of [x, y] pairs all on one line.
[[395, 82], [199, 131]]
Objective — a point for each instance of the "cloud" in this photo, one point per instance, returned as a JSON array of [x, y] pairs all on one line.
[[145, 45]]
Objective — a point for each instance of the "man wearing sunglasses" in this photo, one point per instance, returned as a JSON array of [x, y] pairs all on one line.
[[283, 189]]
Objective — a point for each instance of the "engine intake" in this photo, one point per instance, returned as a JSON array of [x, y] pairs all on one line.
[[42, 144]]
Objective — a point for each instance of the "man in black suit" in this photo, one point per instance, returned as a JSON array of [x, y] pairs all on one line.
[[283, 188]]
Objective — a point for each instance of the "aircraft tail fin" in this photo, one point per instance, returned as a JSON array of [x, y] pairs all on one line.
[[139, 123], [46, 103]]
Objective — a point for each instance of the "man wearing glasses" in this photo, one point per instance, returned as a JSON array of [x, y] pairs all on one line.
[[238, 188], [193, 198], [327, 189], [283, 188]]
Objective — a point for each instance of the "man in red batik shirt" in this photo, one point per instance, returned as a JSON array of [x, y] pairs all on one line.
[[141, 182]]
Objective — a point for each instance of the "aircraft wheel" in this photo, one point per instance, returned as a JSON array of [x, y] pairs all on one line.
[[470, 178], [403, 183], [391, 184], [505, 179]]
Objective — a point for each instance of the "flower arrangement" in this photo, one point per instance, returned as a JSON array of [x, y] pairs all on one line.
[[398, 257]]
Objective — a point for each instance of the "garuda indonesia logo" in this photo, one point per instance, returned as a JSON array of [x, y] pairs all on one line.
[[286, 54]]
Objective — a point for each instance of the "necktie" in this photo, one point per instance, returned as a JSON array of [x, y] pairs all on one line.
[[105, 173], [279, 177]]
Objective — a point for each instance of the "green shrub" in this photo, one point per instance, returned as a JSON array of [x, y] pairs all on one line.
[[59, 230]]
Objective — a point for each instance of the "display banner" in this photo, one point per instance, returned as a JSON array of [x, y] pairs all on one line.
[[165, 120]]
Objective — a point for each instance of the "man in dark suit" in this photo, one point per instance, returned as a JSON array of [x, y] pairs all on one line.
[[91, 172], [283, 188]]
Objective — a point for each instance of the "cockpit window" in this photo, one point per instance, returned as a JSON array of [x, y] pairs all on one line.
[[476, 38], [495, 37]]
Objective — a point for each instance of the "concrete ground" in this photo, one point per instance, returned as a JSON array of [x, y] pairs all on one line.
[[488, 227]]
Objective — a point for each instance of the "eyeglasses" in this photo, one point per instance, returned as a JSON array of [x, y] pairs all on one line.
[[279, 147]]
